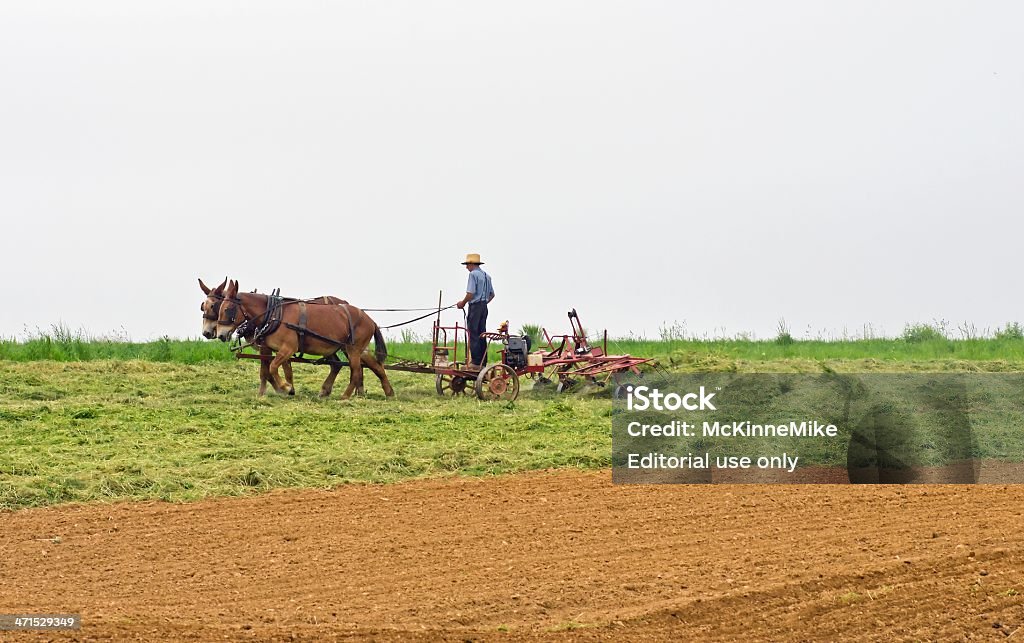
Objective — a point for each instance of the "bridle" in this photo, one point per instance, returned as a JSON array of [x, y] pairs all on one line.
[[214, 314], [235, 306], [253, 329], [232, 311]]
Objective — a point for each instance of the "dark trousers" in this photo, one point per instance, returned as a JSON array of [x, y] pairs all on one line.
[[476, 320]]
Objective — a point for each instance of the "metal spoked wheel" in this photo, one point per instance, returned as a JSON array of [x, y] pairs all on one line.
[[497, 382], [450, 385]]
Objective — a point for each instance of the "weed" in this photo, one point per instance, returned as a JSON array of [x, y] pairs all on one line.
[[409, 336], [533, 332], [1013, 331], [783, 337], [920, 333], [674, 332]]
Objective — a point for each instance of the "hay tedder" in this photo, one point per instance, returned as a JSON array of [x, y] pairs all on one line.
[[569, 359]]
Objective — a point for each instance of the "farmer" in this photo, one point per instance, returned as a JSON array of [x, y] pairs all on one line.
[[479, 293]]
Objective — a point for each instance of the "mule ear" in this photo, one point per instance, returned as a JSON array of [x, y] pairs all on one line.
[[232, 290], [219, 290], [206, 289]]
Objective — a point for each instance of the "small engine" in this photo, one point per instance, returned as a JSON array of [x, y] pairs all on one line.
[[516, 350]]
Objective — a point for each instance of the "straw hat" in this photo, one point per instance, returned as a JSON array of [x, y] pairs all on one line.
[[473, 258]]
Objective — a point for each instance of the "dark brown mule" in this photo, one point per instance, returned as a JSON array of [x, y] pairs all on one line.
[[313, 328]]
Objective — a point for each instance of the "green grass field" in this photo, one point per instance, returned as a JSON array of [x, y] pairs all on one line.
[[176, 420], [135, 429]]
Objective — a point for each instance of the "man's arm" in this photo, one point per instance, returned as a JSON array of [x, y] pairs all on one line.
[[470, 292]]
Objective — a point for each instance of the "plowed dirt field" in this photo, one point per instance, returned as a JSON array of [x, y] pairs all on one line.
[[561, 555]]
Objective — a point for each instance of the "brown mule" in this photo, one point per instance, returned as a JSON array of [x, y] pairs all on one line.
[[211, 310], [313, 328]]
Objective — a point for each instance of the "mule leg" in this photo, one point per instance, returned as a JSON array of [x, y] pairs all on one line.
[[265, 372], [283, 355], [328, 386], [287, 368], [355, 380], [265, 356], [378, 370]]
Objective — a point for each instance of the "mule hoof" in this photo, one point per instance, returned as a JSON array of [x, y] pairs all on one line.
[[291, 391]]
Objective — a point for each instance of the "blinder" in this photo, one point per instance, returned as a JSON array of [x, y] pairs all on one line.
[[232, 311], [214, 314]]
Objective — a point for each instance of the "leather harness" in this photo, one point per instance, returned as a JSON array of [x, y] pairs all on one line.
[[302, 330], [255, 334]]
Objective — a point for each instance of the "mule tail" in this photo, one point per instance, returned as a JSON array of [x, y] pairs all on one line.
[[380, 349]]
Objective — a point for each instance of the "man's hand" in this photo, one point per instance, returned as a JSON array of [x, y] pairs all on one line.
[[461, 305]]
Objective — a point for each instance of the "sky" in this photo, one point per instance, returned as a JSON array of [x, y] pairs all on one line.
[[707, 166]]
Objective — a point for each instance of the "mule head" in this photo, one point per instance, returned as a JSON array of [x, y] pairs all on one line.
[[211, 307], [231, 315]]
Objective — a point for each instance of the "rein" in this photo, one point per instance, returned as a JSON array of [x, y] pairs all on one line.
[[398, 310], [433, 311], [253, 333]]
